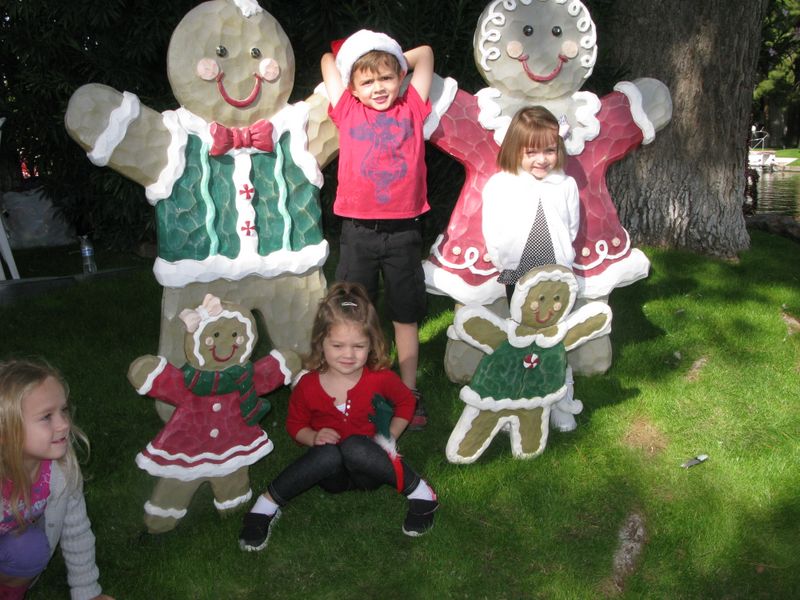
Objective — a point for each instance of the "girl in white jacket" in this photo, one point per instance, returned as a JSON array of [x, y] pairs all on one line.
[[530, 208], [531, 213]]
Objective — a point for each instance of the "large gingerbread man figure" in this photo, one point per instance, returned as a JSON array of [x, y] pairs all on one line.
[[541, 52], [233, 173]]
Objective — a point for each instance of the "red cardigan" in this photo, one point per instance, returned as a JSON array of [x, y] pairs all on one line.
[[310, 406]]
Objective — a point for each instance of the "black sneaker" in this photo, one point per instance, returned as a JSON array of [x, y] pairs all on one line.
[[419, 518], [256, 528], [420, 418]]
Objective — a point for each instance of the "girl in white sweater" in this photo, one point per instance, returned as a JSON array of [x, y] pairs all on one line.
[[530, 208], [42, 487]]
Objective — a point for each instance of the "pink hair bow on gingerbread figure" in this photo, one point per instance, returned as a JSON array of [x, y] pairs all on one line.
[[211, 307]]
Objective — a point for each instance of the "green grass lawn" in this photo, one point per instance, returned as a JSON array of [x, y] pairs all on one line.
[[705, 361], [788, 153]]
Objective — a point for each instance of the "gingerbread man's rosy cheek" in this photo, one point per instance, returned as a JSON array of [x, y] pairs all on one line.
[[207, 69], [569, 49], [240, 340], [557, 306], [269, 69], [209, 341], [514, 49]]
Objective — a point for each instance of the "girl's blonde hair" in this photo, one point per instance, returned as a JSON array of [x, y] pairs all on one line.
[[347, 303], [531, 127], [372, 61], [18, 378]]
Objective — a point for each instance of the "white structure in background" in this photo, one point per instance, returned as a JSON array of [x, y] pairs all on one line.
[[761, 158], [5, 248]]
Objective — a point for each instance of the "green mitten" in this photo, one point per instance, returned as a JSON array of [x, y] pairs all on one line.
[[382, 418]]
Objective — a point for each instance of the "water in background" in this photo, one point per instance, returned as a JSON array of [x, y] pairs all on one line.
[[779, 193]]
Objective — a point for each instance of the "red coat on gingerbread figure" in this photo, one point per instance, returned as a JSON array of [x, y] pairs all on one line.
[[542, 53]]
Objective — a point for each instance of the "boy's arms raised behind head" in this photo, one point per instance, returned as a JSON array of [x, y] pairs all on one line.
[[334, 85], [420, 59]]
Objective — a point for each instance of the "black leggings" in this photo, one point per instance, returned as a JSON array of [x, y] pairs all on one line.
[[357, 463]]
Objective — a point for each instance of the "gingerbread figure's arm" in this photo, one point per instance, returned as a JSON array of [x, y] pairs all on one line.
[[590, 321], [323, 137], [479, 327], [275, 370], [153, 376], [117, 131]]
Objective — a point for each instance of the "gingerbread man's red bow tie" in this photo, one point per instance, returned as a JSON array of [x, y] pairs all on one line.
[[258, 135]]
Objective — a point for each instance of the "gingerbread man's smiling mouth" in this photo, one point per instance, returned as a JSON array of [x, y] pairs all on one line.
[[523, 58], [233, 101], [234, 348]]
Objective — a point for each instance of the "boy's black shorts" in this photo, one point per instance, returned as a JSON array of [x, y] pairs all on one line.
[[393, 248]]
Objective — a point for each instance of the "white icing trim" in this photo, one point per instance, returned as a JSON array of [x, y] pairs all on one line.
[[148, 383], [203, 469], [118, 122], [287, 374], [471, 255], [176, 159], [490, 113], [294, 118], [248, 7], [601, 247], [164, 513], [637, 110], [443, 283], [540, 339], [443, 92], [228, 504], [630, 269], [180, 273], [472, 398]]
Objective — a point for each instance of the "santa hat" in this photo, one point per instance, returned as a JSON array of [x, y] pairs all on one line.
[[361, 42]]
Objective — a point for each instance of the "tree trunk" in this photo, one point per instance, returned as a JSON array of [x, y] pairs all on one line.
[[686, 190]]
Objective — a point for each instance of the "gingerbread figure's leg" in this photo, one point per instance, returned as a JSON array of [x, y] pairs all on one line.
[[231, 491], [529, 431], [472, 434], [168, 503]]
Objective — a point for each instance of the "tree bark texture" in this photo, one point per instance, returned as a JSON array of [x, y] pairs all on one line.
[[686, 189]]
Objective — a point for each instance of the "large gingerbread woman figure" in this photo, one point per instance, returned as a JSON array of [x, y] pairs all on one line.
[[233, 173], [541, 52]]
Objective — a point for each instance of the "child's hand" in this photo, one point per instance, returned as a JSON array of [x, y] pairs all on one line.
[[326, 435]]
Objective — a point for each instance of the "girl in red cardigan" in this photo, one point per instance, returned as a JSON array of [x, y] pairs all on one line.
[[349, 410]]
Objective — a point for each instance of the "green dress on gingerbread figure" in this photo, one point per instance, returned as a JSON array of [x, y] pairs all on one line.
[[523, 374]]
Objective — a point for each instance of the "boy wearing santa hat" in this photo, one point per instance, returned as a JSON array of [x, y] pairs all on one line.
[[382, 189]]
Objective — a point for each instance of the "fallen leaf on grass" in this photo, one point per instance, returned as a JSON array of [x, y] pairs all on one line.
[[792, 322], [694, 371]]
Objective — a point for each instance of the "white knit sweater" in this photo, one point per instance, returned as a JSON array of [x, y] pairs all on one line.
[[67, 524]]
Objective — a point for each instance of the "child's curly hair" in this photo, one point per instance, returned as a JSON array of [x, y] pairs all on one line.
[[347, 303]]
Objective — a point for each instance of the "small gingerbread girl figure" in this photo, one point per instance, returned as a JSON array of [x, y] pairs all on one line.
[[213, 435], [522, 377]]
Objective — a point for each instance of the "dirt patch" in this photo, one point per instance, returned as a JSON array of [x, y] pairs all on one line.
[[643, 435]]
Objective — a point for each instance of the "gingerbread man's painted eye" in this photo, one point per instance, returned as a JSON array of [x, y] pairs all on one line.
[[556, 31], [222, 51], [527, 30], [557, 298], [216, 334], [255, 52], [234, 335], [541, 298]]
